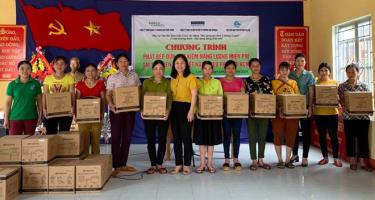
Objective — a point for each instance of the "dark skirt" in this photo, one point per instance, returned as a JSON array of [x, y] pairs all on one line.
[[207, 132]]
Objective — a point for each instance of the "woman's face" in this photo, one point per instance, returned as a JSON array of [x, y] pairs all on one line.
[[74, 64], [180, 65], [158, 71], [24, 71], [324, 72], [300, 63], [284, 72], [255, 67], [123, 63], [351, 73], [91, 72], [59, 66], [207, 70], [230, 70]]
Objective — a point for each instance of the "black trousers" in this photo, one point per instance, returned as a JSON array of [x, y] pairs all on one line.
[[356, 135], [181, 129], [57, 124], [305, 127], [328, 123], [150, 128]]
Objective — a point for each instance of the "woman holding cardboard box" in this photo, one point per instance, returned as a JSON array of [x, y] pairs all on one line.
[[282, 126], [184, 92], [58, 82], [257, 83], [122, 123], [90, 86], [327, 119], [231, 125], [23, 102], [355, 126], [157, 83], [207, 133]]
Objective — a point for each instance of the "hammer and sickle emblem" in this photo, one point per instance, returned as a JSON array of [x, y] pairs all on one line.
[[58, 30]]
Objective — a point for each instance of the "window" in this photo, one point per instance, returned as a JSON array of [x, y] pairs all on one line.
[[353, 43]]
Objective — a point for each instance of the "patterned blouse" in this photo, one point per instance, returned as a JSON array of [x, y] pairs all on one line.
[[345, 86], [262, 86]]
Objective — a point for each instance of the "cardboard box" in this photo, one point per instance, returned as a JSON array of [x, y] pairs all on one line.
[[326, 96], [35, 178], [93, 172], [358, 102], [88, 110], [61, 176], [127, 99], [59, 104], [9, 182], [263, 105], [10, 149], [236, 105], [154, 104], [70, 144], [210, 106], [39, 149], [292, 105]]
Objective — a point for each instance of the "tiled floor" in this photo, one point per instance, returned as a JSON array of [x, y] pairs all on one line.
[[313, 182]]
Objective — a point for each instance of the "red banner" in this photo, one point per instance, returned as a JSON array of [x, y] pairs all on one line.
[[290, 40], [12, 50]]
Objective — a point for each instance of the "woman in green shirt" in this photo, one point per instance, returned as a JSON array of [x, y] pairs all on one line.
[[23, 103], [207, 133], [157, 83]]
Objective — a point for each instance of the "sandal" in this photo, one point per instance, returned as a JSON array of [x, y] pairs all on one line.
[[151, 170], [200, 170], [186, 170], [128, 168], [226, 167], [253, 167], [353, 166], [289, 165], [294, 158], [264, 166], [366, 168], [237, 166], [162, 170], [115, 172], [280, 165], [176, 170], [212, 170], [323, 161], [305, 163], [337, 163]]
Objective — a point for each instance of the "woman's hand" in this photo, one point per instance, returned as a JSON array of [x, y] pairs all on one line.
[[6, 123], [190, 116], [112, 107]]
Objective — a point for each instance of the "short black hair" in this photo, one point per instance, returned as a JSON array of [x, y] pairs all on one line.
[[91, 65], [230, 62], [354, 65], [299, 55], [284, 65], [324, 65], [207, 62], [24, 62], [174, 72], [254, 60], [63, 58], [122, 55], [156, 62]]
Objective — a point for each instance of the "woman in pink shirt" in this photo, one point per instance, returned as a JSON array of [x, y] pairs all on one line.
[[231, 125]]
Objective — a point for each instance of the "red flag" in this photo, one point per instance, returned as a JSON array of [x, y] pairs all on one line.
[[72, 29]]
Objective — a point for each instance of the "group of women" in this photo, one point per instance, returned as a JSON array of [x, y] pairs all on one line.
[[25, 107]]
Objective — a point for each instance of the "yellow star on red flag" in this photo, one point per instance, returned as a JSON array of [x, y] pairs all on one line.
[[93, 29]]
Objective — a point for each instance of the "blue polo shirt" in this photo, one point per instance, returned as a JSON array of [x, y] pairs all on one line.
[[304, 81]]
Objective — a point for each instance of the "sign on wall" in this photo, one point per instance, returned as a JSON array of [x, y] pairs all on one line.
[[290, 40], [12, 50], [200, 38]]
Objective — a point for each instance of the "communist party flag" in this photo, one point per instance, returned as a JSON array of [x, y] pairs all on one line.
[[72, 29]]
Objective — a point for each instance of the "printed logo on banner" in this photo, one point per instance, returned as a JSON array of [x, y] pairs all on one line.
[[237, 24], [197, 23]]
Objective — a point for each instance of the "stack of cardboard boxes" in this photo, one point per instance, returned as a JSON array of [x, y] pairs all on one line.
[[50, 163]]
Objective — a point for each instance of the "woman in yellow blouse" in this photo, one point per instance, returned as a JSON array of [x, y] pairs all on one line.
[[207, 133], [282, 126], [58, 82], [184, 93]]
